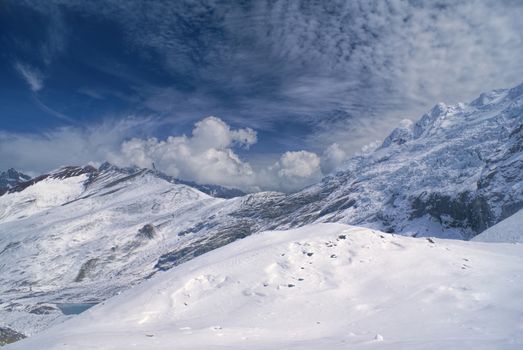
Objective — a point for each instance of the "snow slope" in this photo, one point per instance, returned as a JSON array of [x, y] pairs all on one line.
[[320, 286], [508, 230], [45, 194], [82, 235]]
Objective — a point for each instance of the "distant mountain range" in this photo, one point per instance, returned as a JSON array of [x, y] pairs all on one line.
[[81, 234], [15, 181]]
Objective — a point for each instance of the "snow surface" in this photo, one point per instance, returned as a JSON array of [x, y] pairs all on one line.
[[508, 230], [327, 286], [45, 194]]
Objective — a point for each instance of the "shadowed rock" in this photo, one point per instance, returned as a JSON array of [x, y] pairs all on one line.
[[148, 231], [8, 336]]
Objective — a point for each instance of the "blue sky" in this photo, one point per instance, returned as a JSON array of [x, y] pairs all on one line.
[[296, 86]]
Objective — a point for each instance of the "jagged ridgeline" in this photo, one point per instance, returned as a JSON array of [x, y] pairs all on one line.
[[11, 178]]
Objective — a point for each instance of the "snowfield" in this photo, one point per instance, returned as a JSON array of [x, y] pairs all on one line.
[[328, 286], [508, 230], [46, 194]]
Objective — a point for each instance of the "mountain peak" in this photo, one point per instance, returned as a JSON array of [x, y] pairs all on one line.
[[400, 135], [212, 190], [11, 178]]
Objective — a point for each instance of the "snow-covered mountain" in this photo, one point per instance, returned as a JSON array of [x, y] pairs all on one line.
[[82, 235], [10, 179], [454, 173], [212, 190], [324, 286]]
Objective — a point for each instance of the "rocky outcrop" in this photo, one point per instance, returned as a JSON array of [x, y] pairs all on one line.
[[11, 178], [148, 231], [8, 336]]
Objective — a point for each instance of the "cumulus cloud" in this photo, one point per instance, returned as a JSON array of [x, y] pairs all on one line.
[[32, 76], [293, 171], [208, 156], [213, 132], [301, 164]]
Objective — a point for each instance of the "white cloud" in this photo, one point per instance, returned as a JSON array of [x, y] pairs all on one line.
[[213, 132], [67, 145], [378, 61], [32, 76], [332, 157], [208, 156], [300, 164], [205, 157], [293, 171]]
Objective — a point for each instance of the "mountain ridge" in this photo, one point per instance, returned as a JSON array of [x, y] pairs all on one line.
[[23, 181]]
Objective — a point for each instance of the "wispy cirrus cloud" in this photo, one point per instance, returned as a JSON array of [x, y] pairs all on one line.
[[329, 77], [377, 61], [40, 152], [32, 76]]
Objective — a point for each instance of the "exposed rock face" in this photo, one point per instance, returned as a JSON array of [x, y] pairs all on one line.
[[148, 231], [220, 237], [86, 270], [44, 309], [463, 210], [11, 178], [8, 336]]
